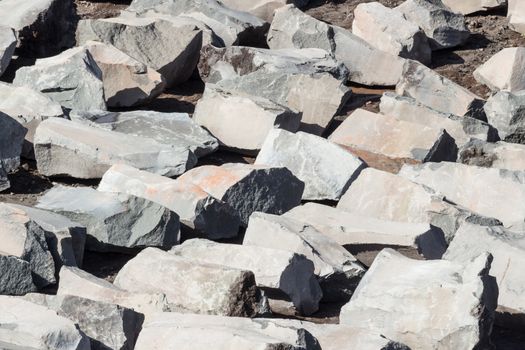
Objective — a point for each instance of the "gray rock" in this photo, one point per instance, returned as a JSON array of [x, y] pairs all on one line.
[[114, 221], [325, 168], [504, 71], [467, 7], [16, 277], [71, 78], [506, 112], [12, 135], [263, 9], [7, 47], [4, 180], [516, 11], [501, 155]]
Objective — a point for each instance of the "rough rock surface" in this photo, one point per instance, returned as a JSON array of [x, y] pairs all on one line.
[[506, 112], [7, 47], [504, 71], [516, 15], [12, 135], [16, 278], [262, 8], [468, 7], [501, 155]]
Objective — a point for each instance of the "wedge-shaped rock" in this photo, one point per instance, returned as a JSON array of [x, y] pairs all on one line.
[[263, 9], [7, 47], [196, 208], [438, 92], [248, 188], [191, 286], [444, 28], [127, 82], [394, 139], [170, 330], [391, 197], [64, 147], [389, 31], [504, 71], [516, 15], [242, 122], [501, 155], [26, 325], [273, 268], [291, 28], [506, 112], [114, 221], [462, 129], [492, 192], [72, 79], [338, 270], [467, 7], [176, 129], [108, 326], [325, 168], [169, 47], [12, 135], [16, 277], [349, 229]]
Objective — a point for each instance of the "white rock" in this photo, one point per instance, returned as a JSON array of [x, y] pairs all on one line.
[[467, 7], [263, 9], [506, 112], [504, 71], [7, 47], [516, 15], [501, 155]]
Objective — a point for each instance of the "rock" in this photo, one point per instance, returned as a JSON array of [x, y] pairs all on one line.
[[273, 268], [12, 136], [506, 112], [438, 92], [242, 122], [108, 326], [169, 330], [16, 278], [7, 47], [504, 71], [394, 139], [190, 286], [492, 192], [338, 270], [501, 155], [325, 168], [26, 325], [127, 82], [170, 47], [405, 309], [350, 229], [389, 31], [176, 129], [64, 147], [197, 209], [43, 27], [516, 15], [444, 28], [467, 7], [462, 129], [263, 9]]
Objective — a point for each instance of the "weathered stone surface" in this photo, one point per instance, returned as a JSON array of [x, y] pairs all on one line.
[[492, 192], [176, 129], [26, 325], [444, 28], [184, 331], [12, 136], [338, 270], [7, 47], [434, 305], [189, 286], [389, 31], [350, 229], [71, 78], [438, 92], [467, 7], [501, 155], [291, 28], [241, 122], [462, 129], [325, 168], [504, 71], [127, 82], [196, 208], [114, 221], [506, 112], [516, 15], [396, 139], [4, 180], [263, 9], [64, 147], [170, 47], [16, 278], [273, 268]]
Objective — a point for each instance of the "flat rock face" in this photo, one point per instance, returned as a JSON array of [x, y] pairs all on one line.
[[197, 209], [7, 47], [64, 147], [31, 326], [501, 155], [71, 78], [506, 112], [409, 312], [516, 15], [467, 7], [114, 221], [389, 31], [492, 192], [197, 288], [444, 28], [242, 122], [170, 47], [325, 168], [12, 135], [273, 268], [263, 9], [504, 71]]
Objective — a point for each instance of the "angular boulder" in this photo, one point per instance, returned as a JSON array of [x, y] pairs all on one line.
[[263, 9], [500, 155], [516, 15], [467, 7], [325, 168], [506, 112], [12, 135], [7, 47], [504, 71], [16, 277]]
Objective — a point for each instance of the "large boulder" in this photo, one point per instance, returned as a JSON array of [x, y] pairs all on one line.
[[64, 147], [263, 9], [12, 135], [501, 155], [504, 71], [506, 112], [466, 7], [197, 209], [389, 31], [114, 221], [7, 47], [190, 286], [325, 168], [287, 271], [516, 15]]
